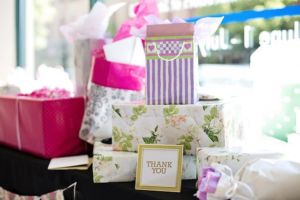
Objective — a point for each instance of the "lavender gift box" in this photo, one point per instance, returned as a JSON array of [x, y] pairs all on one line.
[[171, 64]]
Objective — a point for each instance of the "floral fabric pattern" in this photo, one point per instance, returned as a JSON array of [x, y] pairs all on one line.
[[113, 166], [197, 125], [97, 119]]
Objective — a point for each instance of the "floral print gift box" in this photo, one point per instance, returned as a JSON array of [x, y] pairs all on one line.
[[198, 125], [117, 166]]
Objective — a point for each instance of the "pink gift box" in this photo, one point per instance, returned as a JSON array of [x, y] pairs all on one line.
[[44, 127]]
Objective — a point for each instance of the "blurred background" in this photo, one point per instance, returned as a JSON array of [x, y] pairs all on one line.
[[30, 37]]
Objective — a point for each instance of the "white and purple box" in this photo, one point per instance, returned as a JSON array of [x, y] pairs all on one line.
[[171, 64]]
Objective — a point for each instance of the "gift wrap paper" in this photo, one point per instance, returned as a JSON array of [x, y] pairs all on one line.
[[198, 125], [235, 158], [97, 118], [117, 166]]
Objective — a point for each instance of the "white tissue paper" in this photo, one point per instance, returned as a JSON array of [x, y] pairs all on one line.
[[272, 179], [20, 81], [132, 51], [92, 25]]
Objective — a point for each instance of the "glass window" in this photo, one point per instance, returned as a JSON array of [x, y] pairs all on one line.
[[45, 43]]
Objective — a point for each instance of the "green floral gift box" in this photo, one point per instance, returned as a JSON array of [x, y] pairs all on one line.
[[198, 125], [118, 166]]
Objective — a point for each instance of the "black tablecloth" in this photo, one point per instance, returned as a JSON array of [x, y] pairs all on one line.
[[28, 175]]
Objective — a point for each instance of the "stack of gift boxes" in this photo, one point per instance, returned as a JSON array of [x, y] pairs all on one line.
[[172, 114]]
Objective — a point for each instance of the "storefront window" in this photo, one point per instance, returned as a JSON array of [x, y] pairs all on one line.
[[45, 43]]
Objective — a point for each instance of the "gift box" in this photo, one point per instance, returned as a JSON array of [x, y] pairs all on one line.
[[198, 125], [118, 166], [235, 158], [44, 127], [113, 166], [171, 64]]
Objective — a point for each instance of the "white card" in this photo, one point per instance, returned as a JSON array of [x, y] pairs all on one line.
[[70, 161], [127, 51]]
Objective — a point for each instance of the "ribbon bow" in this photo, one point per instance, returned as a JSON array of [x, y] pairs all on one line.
[[217, 182]]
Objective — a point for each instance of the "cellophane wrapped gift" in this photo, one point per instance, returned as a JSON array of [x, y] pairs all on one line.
[[198, 125], [82, 63], [235, 158], [42, 126], [118, 166]]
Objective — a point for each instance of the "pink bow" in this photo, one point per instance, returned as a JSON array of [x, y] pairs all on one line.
[[142, 9]]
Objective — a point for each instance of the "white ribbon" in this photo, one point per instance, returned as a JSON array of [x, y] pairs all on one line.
[[229, 187], [74, 189]]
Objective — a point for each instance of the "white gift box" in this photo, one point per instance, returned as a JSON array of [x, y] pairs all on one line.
[[128, 51], [200, 125], [117, 166], [235, 158]]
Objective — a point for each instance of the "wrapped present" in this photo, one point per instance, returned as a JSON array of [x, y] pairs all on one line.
[[172, 59], [111, 83], [171, 64], [198, 125], [235, 158], [114, 166], [116, 77], [42, 126], [118, 166]]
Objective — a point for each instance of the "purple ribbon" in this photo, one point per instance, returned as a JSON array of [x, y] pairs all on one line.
[[208, 182]]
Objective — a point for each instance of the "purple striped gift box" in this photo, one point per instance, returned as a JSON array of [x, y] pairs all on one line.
[[171, 65]]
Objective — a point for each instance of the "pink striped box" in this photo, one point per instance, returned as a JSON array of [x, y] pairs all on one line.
[[171, 64]]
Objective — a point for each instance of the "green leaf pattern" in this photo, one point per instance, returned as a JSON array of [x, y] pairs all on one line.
[[172, 117], [122, 139], [186, 141], [187, 126], [212, 124], [138, 111], [153, 139], [100, 160], [117, 111]]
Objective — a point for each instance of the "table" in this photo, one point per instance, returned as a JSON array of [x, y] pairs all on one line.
[[25, 174]]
